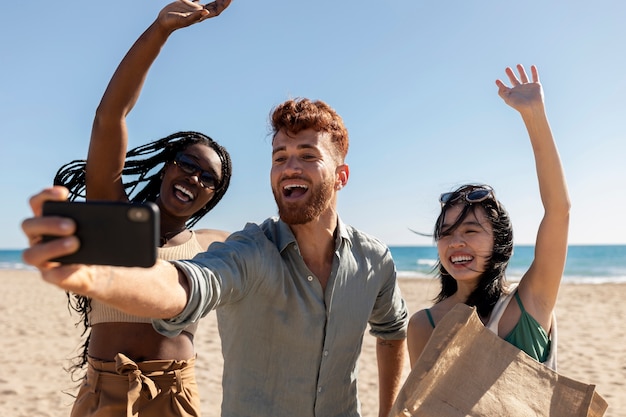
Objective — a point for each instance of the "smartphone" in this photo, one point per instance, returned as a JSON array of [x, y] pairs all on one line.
[[110, 233]]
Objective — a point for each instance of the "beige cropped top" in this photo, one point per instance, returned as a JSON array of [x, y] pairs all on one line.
[[103, 313]]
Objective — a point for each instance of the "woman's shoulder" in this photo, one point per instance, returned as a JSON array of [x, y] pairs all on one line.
[[419, 320], [418, 334], [207, 236], [429, 317]]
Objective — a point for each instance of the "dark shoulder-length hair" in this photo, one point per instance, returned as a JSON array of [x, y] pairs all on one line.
[[491, 283]]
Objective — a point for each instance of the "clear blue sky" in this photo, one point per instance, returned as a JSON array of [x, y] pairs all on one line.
[[413, 80]]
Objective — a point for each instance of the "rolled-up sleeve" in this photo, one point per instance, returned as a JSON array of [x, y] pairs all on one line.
[[390, 316], [393, 325], [221, 275], [204, 294]]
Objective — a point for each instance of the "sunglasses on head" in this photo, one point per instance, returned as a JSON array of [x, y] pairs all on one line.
[[189, 167], [473, 195]]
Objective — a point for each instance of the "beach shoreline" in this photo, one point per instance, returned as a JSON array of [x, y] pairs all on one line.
[[40, 337]]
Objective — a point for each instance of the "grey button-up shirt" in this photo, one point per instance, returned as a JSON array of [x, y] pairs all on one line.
[[291, 349]]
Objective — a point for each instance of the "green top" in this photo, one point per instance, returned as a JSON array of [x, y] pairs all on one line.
[[527, 335]]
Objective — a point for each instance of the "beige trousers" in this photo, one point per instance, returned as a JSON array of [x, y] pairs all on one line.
[[127, 389]]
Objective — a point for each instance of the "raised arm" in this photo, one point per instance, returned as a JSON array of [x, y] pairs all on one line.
[[109, 136], [122, 288], [539, 286]]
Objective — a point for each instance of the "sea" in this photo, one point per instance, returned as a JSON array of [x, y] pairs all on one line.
[[589, 264]]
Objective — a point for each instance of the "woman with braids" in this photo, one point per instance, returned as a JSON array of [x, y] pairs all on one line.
[[474, 239], [131, 369]]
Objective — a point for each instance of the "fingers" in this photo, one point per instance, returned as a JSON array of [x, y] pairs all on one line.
[[502, 88], [40, 254], [512, 77], [522, 73], [216, 7], [184, 6], [535, 73], [523, 77], [56, 193], [184, 13], [35, 228]]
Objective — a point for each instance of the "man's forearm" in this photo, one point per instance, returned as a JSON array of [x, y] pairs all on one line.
[[390, 355], [157, 292]]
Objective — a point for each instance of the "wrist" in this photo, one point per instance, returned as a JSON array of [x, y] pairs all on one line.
[[99, 277], [535, 112], [159, 30]]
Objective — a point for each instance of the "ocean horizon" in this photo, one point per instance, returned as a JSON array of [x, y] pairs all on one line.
[[590, 264]]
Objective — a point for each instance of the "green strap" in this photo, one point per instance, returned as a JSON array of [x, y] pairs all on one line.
[[519, 302], [430, 318]]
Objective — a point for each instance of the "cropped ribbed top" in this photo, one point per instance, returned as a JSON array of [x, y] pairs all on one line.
[[103, 313]]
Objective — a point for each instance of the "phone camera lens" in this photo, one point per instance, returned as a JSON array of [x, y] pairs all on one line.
[[138, 214]]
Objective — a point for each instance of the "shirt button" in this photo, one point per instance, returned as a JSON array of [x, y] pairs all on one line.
[[310, 278], [319, 389], [325, 353]]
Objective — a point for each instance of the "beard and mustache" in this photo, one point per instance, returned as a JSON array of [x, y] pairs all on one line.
[[304, 211]]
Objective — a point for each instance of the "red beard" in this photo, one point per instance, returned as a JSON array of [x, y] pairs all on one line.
[[304, 211]]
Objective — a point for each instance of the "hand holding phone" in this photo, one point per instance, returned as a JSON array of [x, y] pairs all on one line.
[[110, 233]]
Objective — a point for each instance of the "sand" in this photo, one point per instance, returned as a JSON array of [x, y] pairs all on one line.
[[39, 336]]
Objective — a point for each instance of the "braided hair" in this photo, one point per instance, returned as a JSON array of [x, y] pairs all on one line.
[[146, 171], [142, 169], [491, 283]]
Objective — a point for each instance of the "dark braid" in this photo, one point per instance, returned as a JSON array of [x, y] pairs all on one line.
[[146, 171], [142, 183]]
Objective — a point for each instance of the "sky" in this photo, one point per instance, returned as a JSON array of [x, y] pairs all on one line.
[[413, 80]]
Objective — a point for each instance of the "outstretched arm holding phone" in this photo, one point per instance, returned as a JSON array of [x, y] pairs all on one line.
[[120, 287], [185, 175]]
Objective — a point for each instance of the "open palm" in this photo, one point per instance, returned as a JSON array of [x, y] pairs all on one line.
[[523, 93]]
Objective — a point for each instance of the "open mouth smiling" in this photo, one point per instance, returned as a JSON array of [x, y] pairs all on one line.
[[294, 190], [461, 259], [183, 193]]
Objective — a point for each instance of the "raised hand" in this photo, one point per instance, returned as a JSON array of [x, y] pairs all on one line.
[[216, 7], [523, 94], [183, 13]]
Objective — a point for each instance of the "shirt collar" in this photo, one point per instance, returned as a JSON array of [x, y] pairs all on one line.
[[285, 236]]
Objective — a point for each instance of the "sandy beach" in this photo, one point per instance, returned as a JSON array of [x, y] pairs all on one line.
[[39, 337]]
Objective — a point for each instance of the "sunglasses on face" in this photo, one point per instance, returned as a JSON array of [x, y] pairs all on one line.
[[474, 195], [189, 167]]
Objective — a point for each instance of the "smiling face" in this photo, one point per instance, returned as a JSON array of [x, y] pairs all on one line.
[[305, 175], [182, 195], [465, 251]]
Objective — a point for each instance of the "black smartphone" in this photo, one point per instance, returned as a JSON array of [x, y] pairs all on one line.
[[110, 233]]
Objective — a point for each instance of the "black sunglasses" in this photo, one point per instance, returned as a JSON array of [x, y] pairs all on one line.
[[473, 195], [188, 166]]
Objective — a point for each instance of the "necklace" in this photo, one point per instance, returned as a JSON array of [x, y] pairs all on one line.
[[165, 237]]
